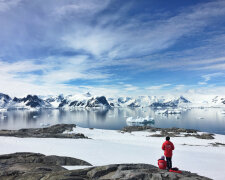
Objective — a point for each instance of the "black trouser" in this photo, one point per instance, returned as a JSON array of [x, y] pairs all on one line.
[[169, 162]]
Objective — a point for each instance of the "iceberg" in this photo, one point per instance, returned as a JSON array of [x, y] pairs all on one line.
[[168, 111], [45, 124], [3, 110], [140, 120], [174, 111]]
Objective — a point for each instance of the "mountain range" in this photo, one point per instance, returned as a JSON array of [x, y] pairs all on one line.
[[89, 101]]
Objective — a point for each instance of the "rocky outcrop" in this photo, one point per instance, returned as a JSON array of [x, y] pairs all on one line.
[[55, 131], [172, 132], [154, 129], [35, 166]]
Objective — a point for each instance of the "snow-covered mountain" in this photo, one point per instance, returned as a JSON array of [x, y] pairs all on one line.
[[31, 101], [181, 101], [89, 101], [4, 100]]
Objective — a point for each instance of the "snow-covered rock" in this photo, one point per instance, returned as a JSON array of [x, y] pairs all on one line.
[[171, 103], [55, 100], [83, 101], [98, 102], [31, 101], [4, 100]]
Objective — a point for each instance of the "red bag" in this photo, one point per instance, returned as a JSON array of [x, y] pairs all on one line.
[[162, 164]]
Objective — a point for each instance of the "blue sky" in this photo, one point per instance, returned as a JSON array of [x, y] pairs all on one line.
[[112, 47]]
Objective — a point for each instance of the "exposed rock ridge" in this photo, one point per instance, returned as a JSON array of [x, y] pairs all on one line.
[[55, 131], [35, 166], [172, 132]]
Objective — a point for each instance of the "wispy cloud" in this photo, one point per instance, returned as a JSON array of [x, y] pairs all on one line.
[[98, 40], [208, 77], [158, 87], [5, 5]]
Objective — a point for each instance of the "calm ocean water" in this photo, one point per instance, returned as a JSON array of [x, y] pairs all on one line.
[[208, 119]]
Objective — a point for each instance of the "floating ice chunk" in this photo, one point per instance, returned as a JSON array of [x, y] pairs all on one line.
[[3, 110], [162, 111], [44, 124], [34, 116], [168, 111], [174, 111], [146, 119]]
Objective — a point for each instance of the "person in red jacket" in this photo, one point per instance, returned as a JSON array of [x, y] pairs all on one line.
[[168, 148], [162, 163]]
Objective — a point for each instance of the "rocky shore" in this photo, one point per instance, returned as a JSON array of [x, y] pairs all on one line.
[[58, 131], [35, 166], [172, 132], [55, 131]]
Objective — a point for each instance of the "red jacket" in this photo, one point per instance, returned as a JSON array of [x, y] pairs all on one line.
[[162, 164], [168, 147]]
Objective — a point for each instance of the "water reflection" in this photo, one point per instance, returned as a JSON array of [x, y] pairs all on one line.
[[209, 120]]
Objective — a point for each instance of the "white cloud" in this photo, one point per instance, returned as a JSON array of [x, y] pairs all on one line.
[[179, 87], [21, 77], [220, 66], [5, 5], [208, 77], [158, 87], [105, 42], [20, 67], [81, 7], [202, 83], [130, 87]]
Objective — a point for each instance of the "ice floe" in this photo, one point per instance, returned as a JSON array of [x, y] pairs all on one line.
[[141, 120]]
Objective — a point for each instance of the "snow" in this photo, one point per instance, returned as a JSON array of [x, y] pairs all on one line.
[[75, 167], [110, 147]]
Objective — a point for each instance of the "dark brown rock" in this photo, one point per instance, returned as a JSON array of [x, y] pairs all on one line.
[[124, 172], [172, 132], [34, 166], [55, 131]]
